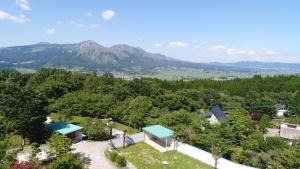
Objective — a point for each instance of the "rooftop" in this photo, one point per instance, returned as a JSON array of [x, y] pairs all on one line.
[[159, 131], [63, 128], [290, 131], [218, 113]]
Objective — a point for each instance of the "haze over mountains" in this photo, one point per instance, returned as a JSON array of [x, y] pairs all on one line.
[[125, 60]]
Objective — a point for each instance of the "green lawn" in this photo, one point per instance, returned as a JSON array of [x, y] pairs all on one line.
[[79, 120], [144, 156], [123, 127]]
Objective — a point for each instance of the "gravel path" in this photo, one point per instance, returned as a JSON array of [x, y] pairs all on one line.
[[93, 154]]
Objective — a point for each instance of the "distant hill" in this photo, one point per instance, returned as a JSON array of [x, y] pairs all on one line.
[[261, 65], [122, 60]]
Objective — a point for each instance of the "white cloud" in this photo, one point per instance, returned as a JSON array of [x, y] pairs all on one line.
[[269, 52], [50, 31], [158, 45], [177, 44], [95, 26], [79, 25], [60, 22], [89, 14], [218, 47], [108, 14], [72, 22], [23, 4], [4, 16]]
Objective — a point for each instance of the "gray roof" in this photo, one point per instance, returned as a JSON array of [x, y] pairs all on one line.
[[280, 106], [290, 131], [218, 113]]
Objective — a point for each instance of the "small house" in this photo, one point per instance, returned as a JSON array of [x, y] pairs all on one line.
[[158, 137], [281, 110], [289, 132], [72, 131], [216, 115]]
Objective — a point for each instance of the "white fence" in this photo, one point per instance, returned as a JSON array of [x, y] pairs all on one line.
[[207, 157], [133, 138]]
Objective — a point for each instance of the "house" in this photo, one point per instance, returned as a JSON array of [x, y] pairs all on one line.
[[158, 137], [289, 132], [281, 110], [216, 115], [72, 131]]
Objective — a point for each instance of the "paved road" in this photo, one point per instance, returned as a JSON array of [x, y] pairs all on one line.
[[93, 154]]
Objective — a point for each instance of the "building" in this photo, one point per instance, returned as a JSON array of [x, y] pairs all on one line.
[[159, 137], [72, 131], [281, 110], [216, 115], [289, 132]]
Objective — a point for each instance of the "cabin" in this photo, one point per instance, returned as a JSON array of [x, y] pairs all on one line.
[[290, 132], [280, 110], [72, 131], [158, 137], [216, 115]]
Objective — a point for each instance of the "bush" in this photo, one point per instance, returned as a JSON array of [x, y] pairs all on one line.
[[66, 162], [113, 156], [24, 165], [121, 161]]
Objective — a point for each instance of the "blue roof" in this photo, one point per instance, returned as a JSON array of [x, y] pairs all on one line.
[[63, 128], [219, 114], [159, 131]]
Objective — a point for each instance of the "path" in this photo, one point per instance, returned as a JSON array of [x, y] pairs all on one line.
[[93, 153]]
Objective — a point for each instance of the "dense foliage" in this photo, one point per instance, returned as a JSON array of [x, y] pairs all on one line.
[[180, 105]]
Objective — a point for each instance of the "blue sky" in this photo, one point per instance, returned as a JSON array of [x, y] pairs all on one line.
[[194, 30]]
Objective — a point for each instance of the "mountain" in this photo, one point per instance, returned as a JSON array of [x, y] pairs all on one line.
[[87, 55], [121, 60]]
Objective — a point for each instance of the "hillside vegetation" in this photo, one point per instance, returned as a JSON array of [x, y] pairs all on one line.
[[26, 99]]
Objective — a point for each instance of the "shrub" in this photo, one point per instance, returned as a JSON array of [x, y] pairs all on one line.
[[121, 161], [113, 156], [24, 165], [66, 162]]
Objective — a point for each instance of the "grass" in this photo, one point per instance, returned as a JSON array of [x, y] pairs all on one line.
[[80, 120], [123, 127], [144, 156]]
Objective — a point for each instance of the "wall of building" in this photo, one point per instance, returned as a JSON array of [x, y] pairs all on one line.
[[207, 157]]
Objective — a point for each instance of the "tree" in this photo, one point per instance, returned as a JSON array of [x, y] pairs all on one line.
[[25, 109], [241, 123], [295, 104], [137, 110], [59, 144], [95, 129], [66, 161], [264, 122], [254, 141]]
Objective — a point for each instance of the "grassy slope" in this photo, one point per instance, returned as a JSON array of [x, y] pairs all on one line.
[[123, 127], [80, 120], [144, 156]]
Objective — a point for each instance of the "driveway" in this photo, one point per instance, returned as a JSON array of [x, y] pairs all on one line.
[[93, 154]]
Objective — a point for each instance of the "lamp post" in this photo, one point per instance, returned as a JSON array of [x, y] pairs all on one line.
[[165, 164]]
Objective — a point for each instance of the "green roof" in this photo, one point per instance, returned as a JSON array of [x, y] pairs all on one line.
[[159, 131], [63, 128]]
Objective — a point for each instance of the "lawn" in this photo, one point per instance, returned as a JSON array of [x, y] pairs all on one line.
[[79, 120], [144, 156], [123, 127]]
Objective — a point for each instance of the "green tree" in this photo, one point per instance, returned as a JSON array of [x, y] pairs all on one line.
[[264, 122], [60, 145], [66, 161], [24, 108]]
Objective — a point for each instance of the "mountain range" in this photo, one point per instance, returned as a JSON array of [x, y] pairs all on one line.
[[124, 60]]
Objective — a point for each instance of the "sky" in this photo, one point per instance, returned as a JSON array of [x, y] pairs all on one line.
[[192, 30]]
